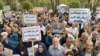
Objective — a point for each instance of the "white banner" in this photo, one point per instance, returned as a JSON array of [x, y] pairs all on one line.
[[79, 15], [29, 19], [31, 34]]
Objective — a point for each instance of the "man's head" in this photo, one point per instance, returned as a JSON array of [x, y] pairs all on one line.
[[4, 35], [89, 46], [8, 52], [73, 25], [69, 41], [66, 30], [84, 36], [8, 30], [55, 42], [94, 34]]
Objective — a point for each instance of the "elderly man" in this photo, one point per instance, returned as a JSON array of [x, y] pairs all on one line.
[[83, 39], [68, 45], [98, 46], [88, 50], [94, 37], [56, 49], [65, 35]]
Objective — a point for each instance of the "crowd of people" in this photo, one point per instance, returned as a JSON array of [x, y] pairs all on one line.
[[70, 39]]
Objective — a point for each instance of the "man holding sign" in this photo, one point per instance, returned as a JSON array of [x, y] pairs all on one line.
[[31, 34]]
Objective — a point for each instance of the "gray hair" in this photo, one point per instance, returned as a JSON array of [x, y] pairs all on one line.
[[7, 52]]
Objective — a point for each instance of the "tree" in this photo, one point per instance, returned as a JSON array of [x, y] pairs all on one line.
[[13, 6], [1, 4], [27, 5], [54, 4], [74, 5]]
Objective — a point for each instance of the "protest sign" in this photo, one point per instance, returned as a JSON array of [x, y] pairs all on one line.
[[79, 15], [31, 34], [29, 19], [6, 8], [8, 14], [58, 27]]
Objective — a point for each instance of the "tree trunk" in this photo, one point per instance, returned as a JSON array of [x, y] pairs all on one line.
[[52, 4]]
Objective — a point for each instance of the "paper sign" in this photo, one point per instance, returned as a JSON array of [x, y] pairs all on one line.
[[8, 14], [31, 34], [29, 19], [58, 27], [79, 15], [6, 8]]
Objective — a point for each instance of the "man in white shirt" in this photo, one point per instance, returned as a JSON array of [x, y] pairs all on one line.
[[56, 49], [68, 45], [73, 30]]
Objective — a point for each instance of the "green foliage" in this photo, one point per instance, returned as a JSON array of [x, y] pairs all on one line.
[[74, 4], [27, 5], [13, 6], [1, 4]]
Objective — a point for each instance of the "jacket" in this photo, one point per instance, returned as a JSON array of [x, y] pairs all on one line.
[[93, 53]]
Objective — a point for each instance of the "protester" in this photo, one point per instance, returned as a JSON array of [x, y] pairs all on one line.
[[98, 46], [83, 39], [56, 49], [73, 30], [3, 50], [94, 38], [8, 52], [4, 39], [88, 50], [48, 39], [69, 53], [68, 45], [59, 37], [42, 51]]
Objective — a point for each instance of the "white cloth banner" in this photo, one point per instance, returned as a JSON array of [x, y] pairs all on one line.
[[79, 15]]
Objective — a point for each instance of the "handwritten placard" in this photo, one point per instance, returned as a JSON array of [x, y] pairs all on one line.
[[31, 34], [58, 27], [29, 19], [79, 15]]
